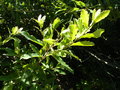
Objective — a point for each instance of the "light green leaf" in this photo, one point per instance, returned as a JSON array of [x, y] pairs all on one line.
[[49, 41], [93, 14], [56, 23], [84, 17], [80, 3], [7, 40], [30, 55], [95, 34], [74, 9], [31, 38], [73, 30], [14, 30], [83, 43], [102, 15], [59, 59], [8, 87]]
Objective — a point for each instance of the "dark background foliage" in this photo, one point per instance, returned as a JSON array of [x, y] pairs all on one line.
[[100, 69]]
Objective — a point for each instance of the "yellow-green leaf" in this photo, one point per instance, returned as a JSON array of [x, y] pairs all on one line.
[[102, 15], [83, 43], [84, 17], [73, 30], [56, 23], [95, 34]]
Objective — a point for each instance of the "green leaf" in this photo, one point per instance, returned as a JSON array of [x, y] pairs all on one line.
[[59, 59], [9, 51], [83, 43], [8, 87], [95, 34], [7, 40], [40, 20], [80, 3], [73, 30], [17, 45], [30, 55], [31, 38], [102, 15], [14, 30], [93, 14], [9, 77], [49, 41], [74, 9], [84, 17], [56, 23], [34, 48]]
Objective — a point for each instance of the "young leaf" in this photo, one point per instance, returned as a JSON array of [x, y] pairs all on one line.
[[95, 34], [84, 17], [31, 38], [102, 15], [56, 23], [83, 43], [14, 30], [40, 20], [59, 59]]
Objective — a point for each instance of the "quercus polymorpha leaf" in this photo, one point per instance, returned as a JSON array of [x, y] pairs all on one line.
[[9, 51], [14, 30], [29, 55], [56, 23], [93, 14], [80, 3], [69, 53], [84, 17], [75, 9], [95, 34], [9, 77], [7, 40], [101, 16], [49, 41], [17, 45], [59, 59], [83, 43], [34, 48], [31, 38], [8, 87], [73, 30]]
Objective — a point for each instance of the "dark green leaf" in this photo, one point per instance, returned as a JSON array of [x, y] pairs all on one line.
[[59, 59], [31, 38]]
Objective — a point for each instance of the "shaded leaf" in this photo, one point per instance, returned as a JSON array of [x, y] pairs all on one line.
[[59, 59], [8, 87]]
